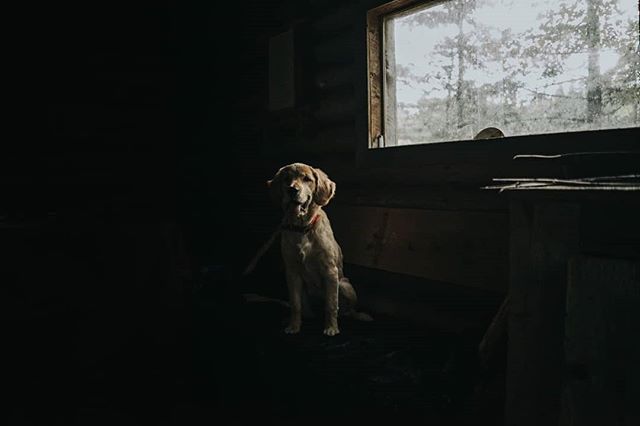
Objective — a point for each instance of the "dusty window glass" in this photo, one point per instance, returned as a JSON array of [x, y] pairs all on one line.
[[454, 68]]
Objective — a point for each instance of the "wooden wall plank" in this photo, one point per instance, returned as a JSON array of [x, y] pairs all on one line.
[[335, 109], [332, 77], [336, 20], [334, 139], [358, 230], [338, 50], [465, 248]]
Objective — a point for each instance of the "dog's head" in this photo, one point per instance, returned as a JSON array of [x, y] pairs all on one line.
[[297, 186]]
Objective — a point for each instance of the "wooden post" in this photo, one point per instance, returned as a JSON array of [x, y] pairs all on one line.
[[543, 237]]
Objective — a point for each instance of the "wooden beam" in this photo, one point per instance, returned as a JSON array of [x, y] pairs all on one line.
[[431, 197]]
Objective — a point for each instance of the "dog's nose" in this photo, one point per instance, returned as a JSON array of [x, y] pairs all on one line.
[[293, 190]]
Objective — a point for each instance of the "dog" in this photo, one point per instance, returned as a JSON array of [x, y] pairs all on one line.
[[312, 257]]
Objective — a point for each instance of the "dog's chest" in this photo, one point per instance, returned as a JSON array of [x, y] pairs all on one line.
[[299, 247]]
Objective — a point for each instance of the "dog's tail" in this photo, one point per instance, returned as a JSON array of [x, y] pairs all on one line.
[[347, 292]]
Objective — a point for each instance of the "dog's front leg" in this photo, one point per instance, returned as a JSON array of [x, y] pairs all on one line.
[[294, 282], [331, 304]]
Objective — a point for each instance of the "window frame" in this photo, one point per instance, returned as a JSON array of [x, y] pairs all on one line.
[[453, 156]]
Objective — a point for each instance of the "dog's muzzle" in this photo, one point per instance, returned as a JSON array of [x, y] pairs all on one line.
[[300, 207]]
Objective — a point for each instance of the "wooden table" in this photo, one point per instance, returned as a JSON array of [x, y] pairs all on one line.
[[559, 374]]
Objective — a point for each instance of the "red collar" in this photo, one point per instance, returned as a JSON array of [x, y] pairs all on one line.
[[301, 228]]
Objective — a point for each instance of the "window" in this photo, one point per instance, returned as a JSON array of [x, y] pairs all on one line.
[[446, 71]]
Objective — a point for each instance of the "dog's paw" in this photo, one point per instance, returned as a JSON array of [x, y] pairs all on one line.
[[331, 331], [292, 329]]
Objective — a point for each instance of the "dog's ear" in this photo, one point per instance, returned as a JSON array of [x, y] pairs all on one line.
[[325, 188], [275, 186]]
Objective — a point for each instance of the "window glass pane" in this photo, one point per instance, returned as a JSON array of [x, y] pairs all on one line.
[[523, 66]]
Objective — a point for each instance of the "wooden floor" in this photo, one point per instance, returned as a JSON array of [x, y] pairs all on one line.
[[387, 370], [230, 360]]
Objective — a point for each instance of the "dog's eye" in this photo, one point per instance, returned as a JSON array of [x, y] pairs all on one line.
[[307, 179]]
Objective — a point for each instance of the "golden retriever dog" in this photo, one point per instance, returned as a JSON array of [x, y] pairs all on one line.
[[312, 257]]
